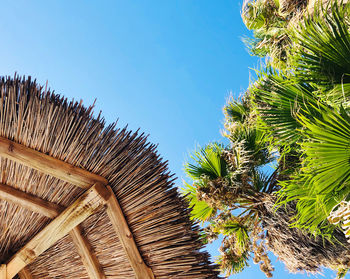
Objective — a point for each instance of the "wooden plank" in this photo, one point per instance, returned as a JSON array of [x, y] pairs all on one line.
[[88, 203], [25, 273], [48, 165], [3, 274], [29, 202], [115, 213], [89, 259]]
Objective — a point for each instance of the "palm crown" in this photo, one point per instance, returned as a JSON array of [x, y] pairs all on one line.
[[296, 114]]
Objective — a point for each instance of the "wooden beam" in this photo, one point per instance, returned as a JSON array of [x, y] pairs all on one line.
[[52, 210], [29, 202], [25, 273], [89, 259], [48, 165], [3, 274], [115, 213], [88, 203]]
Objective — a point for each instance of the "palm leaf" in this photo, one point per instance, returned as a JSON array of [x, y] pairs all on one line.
[[254, 142], [207, 161], [278, 101], [325, 178], [236, 111], [233, 265], [200, 209], [322, 50]]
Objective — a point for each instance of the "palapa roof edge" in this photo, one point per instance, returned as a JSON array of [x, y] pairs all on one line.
[[157, 215]]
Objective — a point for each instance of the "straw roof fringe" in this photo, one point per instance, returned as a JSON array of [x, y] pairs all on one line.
[[157, 216]]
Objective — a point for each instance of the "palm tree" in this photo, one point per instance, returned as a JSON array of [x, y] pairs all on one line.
[[227, 180], [309, 108], [299, 119], [231, 193]]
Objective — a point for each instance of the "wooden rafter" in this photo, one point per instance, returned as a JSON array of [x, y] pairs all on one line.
[[115, 213], [47, 164], [29, 202], [79, 177], [90, 261], [88, 258], [88, 203]]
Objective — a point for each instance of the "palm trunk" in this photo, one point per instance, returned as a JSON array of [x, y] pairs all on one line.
[[298, 250]]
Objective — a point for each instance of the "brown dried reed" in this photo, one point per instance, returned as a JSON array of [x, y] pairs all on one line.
[[157, 216]]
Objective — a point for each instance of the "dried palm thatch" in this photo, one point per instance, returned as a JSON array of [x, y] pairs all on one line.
[[292, 6], [156, 215], [300, 251], [341, 215]]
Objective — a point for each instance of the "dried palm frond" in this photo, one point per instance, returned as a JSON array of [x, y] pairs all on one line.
[[299, 250], [341, 215]]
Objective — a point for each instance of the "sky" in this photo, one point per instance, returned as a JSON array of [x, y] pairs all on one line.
[[166, 67]]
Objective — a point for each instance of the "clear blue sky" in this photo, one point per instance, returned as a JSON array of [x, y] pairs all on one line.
[[166, 66]]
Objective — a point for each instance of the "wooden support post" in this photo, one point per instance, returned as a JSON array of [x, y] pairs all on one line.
[[25, 274], [88, 203], [115, 213], [89, 259], [48, 165], [29, 202], [3, 274]]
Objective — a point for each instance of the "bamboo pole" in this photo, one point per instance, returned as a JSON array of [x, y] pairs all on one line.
[[115, 213], [83, 207], [47, 164]]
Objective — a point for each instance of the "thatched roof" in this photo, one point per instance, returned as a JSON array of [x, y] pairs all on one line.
[[45, 126]]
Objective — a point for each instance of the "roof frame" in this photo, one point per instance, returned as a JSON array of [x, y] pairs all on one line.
[[52, 210], [81, 178], [84, 206]]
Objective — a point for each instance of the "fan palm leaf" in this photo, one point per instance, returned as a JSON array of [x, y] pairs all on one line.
[[236, 111], [322, 49], [324, 179], [254, 141], [208, 162], [200, 209], [278, 101]]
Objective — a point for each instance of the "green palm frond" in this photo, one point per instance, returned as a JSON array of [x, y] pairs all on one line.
[[278, 101], [322, 46], [233, 264], [327, 148], [339, 95], [236, 111], [208, 162], [325, 178], [255, 143], [201, 211], [260, 181]]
